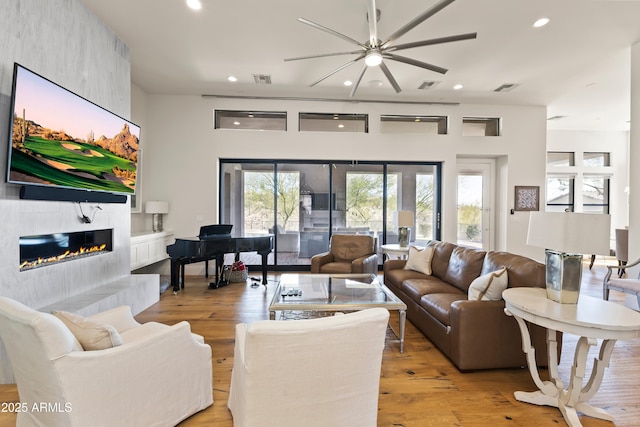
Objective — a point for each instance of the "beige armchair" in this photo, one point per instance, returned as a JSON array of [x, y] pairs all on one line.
[[348, 253], [158, 375], [314, 373]]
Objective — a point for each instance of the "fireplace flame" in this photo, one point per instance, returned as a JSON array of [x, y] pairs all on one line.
[[34, 263]]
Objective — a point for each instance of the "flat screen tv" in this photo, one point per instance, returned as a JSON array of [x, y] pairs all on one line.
[[60, 139]]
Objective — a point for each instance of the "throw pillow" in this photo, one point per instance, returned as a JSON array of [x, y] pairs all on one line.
[[489, 287], [90, 334], [419, 260]]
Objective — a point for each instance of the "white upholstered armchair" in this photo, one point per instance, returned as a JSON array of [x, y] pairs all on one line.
[[314, 373], [157, 376]]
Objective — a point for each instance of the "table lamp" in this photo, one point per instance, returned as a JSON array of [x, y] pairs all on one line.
[[156, 208], [566, 236], [404, 221]]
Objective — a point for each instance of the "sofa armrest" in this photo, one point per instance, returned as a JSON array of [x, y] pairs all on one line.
[[365, 264], [119, 317], [480, 331], [483, 337], [320, 259], [393, 264]]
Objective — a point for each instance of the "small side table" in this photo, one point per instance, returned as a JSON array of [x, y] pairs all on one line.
[[591, 319], [401, 252]]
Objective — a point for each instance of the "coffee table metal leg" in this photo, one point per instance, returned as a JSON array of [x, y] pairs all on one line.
[[402, 318]]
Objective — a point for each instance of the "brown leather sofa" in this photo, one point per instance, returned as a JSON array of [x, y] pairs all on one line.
[[473, 334], [348, 253]]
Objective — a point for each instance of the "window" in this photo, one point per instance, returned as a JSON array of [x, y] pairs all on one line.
[[250, 120], [596, 159], [595, 194], [429, 125], [323, 122], [560, 158], [560, 193], [303, 203], [480, 126]]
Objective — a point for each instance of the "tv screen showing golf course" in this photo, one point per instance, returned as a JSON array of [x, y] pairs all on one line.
[[60, 139]]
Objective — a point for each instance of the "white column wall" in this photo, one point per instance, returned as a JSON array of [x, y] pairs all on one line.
[[63, 41]]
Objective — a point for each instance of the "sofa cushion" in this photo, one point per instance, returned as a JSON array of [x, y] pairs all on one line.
[[395, 277], [347, 247], [489, 287], [439, 305], [419, 260], [91, 334], [336, 268], [465, 264], [441, 253], [522, 271], [416, 288]]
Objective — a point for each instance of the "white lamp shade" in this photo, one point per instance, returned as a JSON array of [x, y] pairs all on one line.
[[570, 232], [156, 207], [403, 218]]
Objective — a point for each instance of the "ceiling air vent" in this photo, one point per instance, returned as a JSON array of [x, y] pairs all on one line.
[[262, 79], [426, 85], [507, 87]]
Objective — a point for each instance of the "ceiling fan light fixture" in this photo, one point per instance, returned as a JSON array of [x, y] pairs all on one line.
[[541, 22], [373, 58], [194, 4]]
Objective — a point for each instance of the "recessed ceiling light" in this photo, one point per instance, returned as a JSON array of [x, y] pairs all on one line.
[[194, 4], [375, 83], [458, 87], [236, 123], [340, 126], [348, 83], [232, 78], [541, 22]]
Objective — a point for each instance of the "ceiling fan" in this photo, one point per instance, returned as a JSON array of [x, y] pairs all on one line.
[[374, 51]]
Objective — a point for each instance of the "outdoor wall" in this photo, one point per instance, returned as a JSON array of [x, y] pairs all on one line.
[[182, 151]]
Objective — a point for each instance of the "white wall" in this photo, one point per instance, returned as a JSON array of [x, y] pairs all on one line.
[[63, 41], [182, 151]]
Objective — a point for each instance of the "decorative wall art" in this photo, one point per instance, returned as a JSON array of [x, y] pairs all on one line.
[[527, 198]]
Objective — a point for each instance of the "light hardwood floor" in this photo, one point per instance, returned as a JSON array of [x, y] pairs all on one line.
[[418, 388]]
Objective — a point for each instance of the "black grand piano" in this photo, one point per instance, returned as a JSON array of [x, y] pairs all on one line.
[[213, 242]]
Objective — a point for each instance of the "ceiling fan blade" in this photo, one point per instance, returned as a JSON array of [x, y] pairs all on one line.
[[330, 31], [372, 17], [323, 55], [331, 73], [439, 40], [415, 62], [357, 82], [417, 21], [393, 81]]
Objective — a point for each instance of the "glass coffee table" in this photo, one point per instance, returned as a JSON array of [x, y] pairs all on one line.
[[326, 293]]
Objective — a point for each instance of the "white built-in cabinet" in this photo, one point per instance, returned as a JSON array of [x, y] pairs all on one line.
[[148, 248]]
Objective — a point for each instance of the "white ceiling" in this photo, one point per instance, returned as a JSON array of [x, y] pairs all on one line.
[[578, 65]]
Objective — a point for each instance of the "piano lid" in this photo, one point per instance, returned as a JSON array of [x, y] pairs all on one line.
[[215, 231]]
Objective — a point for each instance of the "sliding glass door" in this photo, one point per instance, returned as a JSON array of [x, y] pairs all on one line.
[[303, 203]]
